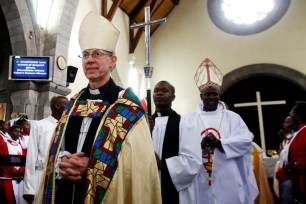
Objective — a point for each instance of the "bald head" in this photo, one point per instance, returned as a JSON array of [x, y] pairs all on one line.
[[57, 105]]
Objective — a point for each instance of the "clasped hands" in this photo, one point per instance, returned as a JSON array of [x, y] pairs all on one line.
[[73, 166], [210, 141], [18, 175]]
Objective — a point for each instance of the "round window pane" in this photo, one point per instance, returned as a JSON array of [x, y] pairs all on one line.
[[246, 17]]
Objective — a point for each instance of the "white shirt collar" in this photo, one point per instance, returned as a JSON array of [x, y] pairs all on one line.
[[94, 91]]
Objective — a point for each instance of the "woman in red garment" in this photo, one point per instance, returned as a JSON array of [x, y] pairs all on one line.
[[297, 155]]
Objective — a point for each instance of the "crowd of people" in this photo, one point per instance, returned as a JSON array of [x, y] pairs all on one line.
[[102, 147], [20, 183]]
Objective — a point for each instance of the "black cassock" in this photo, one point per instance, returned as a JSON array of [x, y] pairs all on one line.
[[170, 149]]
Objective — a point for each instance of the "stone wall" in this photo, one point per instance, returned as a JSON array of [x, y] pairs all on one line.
[[21, 35]]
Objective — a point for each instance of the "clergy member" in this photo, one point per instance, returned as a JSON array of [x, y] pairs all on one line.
[[4, 128], [102, 150], [226, 174], [40, 137], [25, 125], [296, 156], [12, 186], [165, 137]]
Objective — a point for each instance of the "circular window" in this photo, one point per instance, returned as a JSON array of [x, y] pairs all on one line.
[[246, 17]]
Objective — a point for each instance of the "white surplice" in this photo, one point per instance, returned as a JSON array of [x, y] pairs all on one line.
[[14, 148], [185, 167], [158, 135], [40, 137], [233, 180]]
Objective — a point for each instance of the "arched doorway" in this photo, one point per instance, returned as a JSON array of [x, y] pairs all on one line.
[[273, 83]]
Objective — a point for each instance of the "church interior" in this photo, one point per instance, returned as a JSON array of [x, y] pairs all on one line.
[[260, 52]]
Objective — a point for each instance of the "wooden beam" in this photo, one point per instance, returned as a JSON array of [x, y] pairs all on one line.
[[152, 5], [137, 9], [131, 37], [113, 9], [104, 8], [135, 40], [175, 2]]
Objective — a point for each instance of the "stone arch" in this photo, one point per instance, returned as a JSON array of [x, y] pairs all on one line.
[[27, 39], [275, 70], [16, 23]]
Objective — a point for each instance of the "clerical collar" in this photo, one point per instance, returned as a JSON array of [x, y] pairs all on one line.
[[108, 93], [163, 113], [94, 91], [99, 90], [99, 93]]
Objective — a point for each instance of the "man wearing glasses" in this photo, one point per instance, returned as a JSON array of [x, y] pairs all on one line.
[[101, 151]]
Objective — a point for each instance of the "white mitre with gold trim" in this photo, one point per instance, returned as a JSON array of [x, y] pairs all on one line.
[[97, 32]]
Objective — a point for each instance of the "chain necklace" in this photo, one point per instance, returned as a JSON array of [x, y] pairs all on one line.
[[83, 132]]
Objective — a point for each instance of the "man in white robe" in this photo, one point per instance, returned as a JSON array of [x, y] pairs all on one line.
[[40, 137], [224, 144]]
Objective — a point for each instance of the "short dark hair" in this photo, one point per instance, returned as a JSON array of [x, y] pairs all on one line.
[[300, 110], [14, 127], [54, 100], [21, 121], [170, 85]]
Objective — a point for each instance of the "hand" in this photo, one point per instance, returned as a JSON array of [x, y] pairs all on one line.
[[18, 179], [151, 123], [73, 166], [205, 142], [211, 141], [19, 173], [29, 198], [159, 162], [214, 141], [288, 170]]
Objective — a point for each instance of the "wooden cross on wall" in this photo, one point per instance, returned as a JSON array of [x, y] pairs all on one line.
[[259, 105]]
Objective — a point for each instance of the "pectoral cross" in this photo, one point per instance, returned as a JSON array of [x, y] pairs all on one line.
[[148, 70], [208, 165]]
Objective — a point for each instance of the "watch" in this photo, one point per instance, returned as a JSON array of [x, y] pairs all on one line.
[[61, 62]]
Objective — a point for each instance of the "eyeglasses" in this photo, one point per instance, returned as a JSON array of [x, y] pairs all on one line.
[[96, 54]]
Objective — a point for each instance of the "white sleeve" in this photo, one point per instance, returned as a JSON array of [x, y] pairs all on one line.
[[59, 159], [32, 154], [184, 167], [239, 142]]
